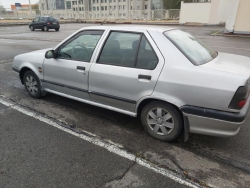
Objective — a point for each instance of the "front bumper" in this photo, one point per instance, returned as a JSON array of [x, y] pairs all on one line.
[[16, 70], [214, 122]]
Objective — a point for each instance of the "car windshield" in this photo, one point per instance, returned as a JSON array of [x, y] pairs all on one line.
[[195, 50]]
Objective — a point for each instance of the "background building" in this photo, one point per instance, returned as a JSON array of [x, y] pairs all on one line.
[[100, 9], [235, 14], [23, 10]]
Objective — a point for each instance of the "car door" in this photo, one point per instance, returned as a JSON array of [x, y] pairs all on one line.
[[35, 23], [68, 72], [126, 69], [42, 22]]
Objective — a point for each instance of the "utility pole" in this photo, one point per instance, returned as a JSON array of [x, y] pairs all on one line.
[[30, 10]]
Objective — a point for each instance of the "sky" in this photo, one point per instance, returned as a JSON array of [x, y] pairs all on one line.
[[6, 3]]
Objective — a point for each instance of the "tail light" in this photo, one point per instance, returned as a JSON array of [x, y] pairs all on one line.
[[48, 23], [240, 98]]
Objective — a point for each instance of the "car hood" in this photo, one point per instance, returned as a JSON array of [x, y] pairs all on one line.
[[230, 63], [35, 58], [38, 52]]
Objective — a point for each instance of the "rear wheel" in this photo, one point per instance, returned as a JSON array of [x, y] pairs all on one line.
[[45, 28], [32, 84], [32, 28], [57, 29], [162, 121]]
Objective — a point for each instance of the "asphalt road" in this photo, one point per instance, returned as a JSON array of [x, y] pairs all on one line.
[[35, 154], [119, 128]]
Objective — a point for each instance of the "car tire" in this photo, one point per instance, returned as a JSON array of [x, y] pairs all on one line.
[[32, 84], [45, 28], [32, 28], [57, 29], [162, 121]]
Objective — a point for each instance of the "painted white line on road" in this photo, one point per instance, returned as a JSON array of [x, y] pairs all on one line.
[[219, 41], [102, 143], [2, 61], [230, 47]]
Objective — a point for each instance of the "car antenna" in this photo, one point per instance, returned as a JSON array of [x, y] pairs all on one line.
[[108, 15]]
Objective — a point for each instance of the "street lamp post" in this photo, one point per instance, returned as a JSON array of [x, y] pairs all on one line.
[[30, 10]]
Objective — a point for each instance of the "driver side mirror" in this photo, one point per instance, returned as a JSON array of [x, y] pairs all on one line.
[[50, 54]]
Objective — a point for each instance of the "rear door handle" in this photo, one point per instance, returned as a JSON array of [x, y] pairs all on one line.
[[146, 77]]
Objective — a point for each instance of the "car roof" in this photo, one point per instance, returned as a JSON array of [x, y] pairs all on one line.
[[131, 27]]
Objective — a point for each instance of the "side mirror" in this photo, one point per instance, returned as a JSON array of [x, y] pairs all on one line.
[[50, 54]]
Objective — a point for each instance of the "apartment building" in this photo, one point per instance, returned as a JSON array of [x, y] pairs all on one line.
[[99, 9]]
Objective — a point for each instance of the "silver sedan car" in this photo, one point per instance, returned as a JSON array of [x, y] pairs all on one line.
[[167, 77]]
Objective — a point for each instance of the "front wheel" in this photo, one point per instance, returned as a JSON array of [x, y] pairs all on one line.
[[162, 121], [32, 28], [32, 84]]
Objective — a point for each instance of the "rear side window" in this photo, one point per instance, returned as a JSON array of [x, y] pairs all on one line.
[[147, 58], [195, 50], [128, 50], [120, 49]]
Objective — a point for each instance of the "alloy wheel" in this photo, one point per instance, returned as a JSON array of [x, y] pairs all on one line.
[[160, 121], [31, 85]]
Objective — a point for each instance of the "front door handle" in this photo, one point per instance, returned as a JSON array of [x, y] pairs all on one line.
[[80, 69], [145, 77]]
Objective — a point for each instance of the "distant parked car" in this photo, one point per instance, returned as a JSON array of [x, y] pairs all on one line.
[[44, 23], [167, 77]]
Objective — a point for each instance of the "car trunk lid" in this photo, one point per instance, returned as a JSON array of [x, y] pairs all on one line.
[[230, 63]]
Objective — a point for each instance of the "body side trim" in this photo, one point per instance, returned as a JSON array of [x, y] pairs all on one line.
[[91, 92], [93, 103], [62, 85], [113, 97]]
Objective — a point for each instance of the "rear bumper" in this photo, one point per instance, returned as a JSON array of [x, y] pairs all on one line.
[[53, 26], [214, 122]]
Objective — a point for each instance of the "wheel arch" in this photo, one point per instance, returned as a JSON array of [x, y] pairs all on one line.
[[25, 69], [184, 119], [146, 101]]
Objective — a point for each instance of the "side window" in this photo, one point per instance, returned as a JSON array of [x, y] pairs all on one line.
[[120, 49], [147, 58], [81, 47], [36, 19], [43, 19]]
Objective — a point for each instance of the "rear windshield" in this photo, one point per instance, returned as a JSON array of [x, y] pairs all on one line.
[[195, 50], [52, 19]]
